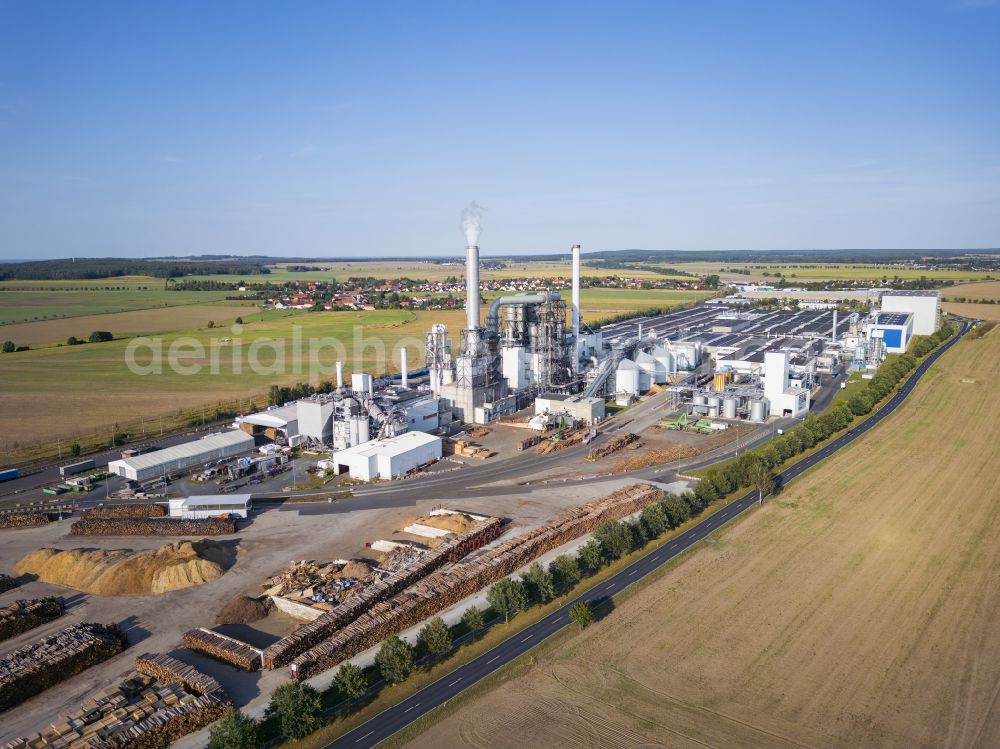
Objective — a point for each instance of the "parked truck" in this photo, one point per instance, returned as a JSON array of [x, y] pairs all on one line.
[[79, 467], [9, 473]]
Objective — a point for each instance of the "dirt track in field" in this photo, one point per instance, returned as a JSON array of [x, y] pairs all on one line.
[[859, 608]]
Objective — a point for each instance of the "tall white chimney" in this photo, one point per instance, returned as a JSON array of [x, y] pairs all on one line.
[[402, 363], [340, 375], [833, 335], [472, 287], [576, 308]]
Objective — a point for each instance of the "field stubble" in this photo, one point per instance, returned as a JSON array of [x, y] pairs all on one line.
[[856, 609]]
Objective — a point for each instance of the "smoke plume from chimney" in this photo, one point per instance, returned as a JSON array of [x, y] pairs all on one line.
[[472, 223]]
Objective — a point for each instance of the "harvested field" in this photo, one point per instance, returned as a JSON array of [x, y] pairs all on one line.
[[123, 572], [977, 290], [859, 608], [973, 311]]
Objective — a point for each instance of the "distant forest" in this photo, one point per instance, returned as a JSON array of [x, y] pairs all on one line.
[[92, 268]]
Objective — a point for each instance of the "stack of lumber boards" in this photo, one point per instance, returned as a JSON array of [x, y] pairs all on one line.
[[447, 587], [36, 667]]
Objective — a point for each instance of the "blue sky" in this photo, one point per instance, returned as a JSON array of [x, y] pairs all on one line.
[[357, 129]]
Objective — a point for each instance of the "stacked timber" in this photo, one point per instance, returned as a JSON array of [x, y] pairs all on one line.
[[223, 648], [115, 526], [144, 711], [20, 616], [308, 635], [7, 583], [127, 511], [447, 587], [36, 667], [610, 448], [23, 519]]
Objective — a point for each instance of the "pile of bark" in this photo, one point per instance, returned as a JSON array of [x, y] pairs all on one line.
[[447, 587], [20, 616], [91, 526], [610, 448], [244, 610], [127, 511], [36, 667], [308, 635], [222, 648], [157, 704], [7, 583], [23, 519]]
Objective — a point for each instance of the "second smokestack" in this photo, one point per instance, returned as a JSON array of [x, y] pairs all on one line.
[[576, 308], [472, 287], [402, 364]]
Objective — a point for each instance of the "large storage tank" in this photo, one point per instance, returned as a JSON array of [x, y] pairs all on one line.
[[655, 371], [665, 359], [714, 405], [758, 409], [729, 408], [686, 355], [699, 404], [628, 377]]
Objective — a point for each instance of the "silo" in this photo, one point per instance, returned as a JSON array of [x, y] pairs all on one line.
[[665, 359], [758, 409], [627, 377], [714, 404], [729, 408], [699, 403]]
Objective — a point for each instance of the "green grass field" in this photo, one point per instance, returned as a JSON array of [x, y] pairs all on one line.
[[824, 272]]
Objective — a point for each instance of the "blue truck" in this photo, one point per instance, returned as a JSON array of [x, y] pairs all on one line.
[[9, 473]]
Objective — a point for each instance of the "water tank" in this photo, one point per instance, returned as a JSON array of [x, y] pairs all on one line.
[[729, 408], [665, 359], [713, 412], [699, 399], [715, 402], [758, 409]]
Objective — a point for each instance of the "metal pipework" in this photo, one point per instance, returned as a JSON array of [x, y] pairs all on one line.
[[493, 317]]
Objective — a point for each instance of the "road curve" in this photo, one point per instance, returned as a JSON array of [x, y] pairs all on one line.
[[394, 718]]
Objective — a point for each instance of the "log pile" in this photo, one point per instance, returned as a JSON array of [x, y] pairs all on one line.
[[7, 583], [20, 616], [23, 519], [613, 446], [307, 635], [127, 511], [226, 649], [157, 704], [447, 587], [91, 526], [36, 667]]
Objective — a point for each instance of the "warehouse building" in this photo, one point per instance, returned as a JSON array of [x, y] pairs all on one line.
[[177, 458], [388, 458], [894, 328], [923, 305], [211, 506]]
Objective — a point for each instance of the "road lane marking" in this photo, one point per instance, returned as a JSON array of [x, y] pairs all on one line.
[[632, 573], [411, 707], [524, 640], [364, 737], [495, 657], [455, 682]]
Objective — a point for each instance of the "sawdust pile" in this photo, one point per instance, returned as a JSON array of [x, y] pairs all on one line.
[[123, 572], [355, 568], [457, 523]]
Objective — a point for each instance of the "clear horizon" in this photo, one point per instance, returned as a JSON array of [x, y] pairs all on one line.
[[327, 130]]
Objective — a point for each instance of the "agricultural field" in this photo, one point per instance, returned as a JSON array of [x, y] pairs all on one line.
[[824, 272], [858, 608], [30, 301], [979, 290]]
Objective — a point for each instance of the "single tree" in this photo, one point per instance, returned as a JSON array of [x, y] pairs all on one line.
[[654, 520], [507, 597], [538, 583], [565, 571], [351, 680], [589, 555], [234, 731], [581, 613], [394, 660], [761, 477], [614, 538], [100, 336], [71, 341], [473, 618], [435, 636], [239, 320], [298, 708], [9, 347], [74, 449], [211, 323]]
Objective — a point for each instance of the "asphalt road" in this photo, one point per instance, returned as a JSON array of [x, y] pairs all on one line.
[[394, 718]]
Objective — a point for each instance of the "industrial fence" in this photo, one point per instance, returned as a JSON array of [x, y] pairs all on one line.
[[128, 526], [20, 616], [34, 668], [447, 587]]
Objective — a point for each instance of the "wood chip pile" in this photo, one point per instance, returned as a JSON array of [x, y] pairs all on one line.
[[127, 511], [89, 526], [36, 667], [307, 635], [20, 616], [225, 649], [23, 519], [610, 448], [447, 587], [161, 701], [7, 583]]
